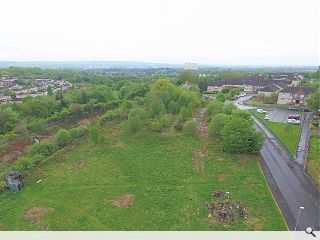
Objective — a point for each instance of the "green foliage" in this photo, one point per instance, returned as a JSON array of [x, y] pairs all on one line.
[[179, 123], [190, 128], [238, 135], [136, 119], [156, 107], [185, 113], [95, 136], [314, 100], [220, 97], [213, 108], [76, 109], [173, 107], [111, 115], [166, 121], [44, 149], [229, 108], [155, 125], [62, 138], [187, 76], [233, 92], [217, 123], [78, 132], [8, 119]]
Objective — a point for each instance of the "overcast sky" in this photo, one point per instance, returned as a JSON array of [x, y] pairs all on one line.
[[237, 32]]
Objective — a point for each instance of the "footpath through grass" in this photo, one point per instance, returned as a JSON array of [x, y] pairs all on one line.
[[166, 177], [289, 134], [313, 163]]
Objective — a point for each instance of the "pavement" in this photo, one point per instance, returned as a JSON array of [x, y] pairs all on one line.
[[304, 140]]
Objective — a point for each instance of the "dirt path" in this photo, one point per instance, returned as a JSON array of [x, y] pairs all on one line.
[[203, 125]]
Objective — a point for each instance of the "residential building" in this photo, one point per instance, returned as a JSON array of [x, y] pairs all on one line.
[[294, 95]]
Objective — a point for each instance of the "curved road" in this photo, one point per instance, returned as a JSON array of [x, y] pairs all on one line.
[[290, 188]]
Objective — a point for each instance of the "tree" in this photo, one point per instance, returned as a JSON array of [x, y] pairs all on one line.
[[156, 107], [221, 97], [217, 123], [62, 138], [313, 101], [229, 108], [190, 128], [76, 109], [49, 91], [238, 135], [214, 108], [8, 120], [273, 98], [187, 76]]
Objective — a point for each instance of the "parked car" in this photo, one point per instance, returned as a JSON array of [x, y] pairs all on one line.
[[296, 117], [266, 117], [293, 121], [259, 110]]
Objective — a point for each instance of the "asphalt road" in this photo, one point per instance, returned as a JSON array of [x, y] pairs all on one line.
[[289, 186], [293, 192], [304, 140]]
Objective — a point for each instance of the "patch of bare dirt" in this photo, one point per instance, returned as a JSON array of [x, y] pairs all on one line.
[[79, 164], [118, 144], [123, 201], [14, 150], [203, 125], [36, 214], [221, 210], [198, 161], [84, 121], [254, 224], [223, 176]]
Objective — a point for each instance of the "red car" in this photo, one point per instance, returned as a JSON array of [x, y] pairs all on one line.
[[296, 117]]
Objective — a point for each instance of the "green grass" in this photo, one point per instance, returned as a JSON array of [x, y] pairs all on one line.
[[158, 169], [287, 133], [313, 155]]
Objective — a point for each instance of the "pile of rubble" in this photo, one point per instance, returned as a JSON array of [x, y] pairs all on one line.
[[222, 210]]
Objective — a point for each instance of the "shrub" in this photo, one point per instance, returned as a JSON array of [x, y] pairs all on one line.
[[136, 119], [179, 123], [62, 138], [155, 126], [229, 108], [214, 108], [185, 113], [190, 128], [78, 132], [217, 123], [110, 115], [44, 149], [165, 121], [95, 135]]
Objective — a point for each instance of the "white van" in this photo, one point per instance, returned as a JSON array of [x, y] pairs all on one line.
[[259, 110]]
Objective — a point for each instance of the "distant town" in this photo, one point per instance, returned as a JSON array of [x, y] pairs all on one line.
[[14, 90]]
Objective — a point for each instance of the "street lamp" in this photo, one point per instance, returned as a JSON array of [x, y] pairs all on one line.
[[295, 229]]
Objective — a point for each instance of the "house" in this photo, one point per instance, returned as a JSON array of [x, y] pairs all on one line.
[[273, 88], [294, 95], [248, 84]]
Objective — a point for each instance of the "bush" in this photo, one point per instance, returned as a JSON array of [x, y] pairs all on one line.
[[238, 135], [78, 132], [166, 121], [179, 123], [190, 128], [62, 138], [217, 123], [155, 126], [185, 113], [110, 115], [229, 108], [136, 119], [95, 135], [214, 108], [44, 149]]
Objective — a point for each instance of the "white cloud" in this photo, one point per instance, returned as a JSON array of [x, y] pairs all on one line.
[[284, 32]]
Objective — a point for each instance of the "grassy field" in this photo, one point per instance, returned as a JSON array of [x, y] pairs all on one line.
[[313, 155], [287, 133], [169, 181]]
